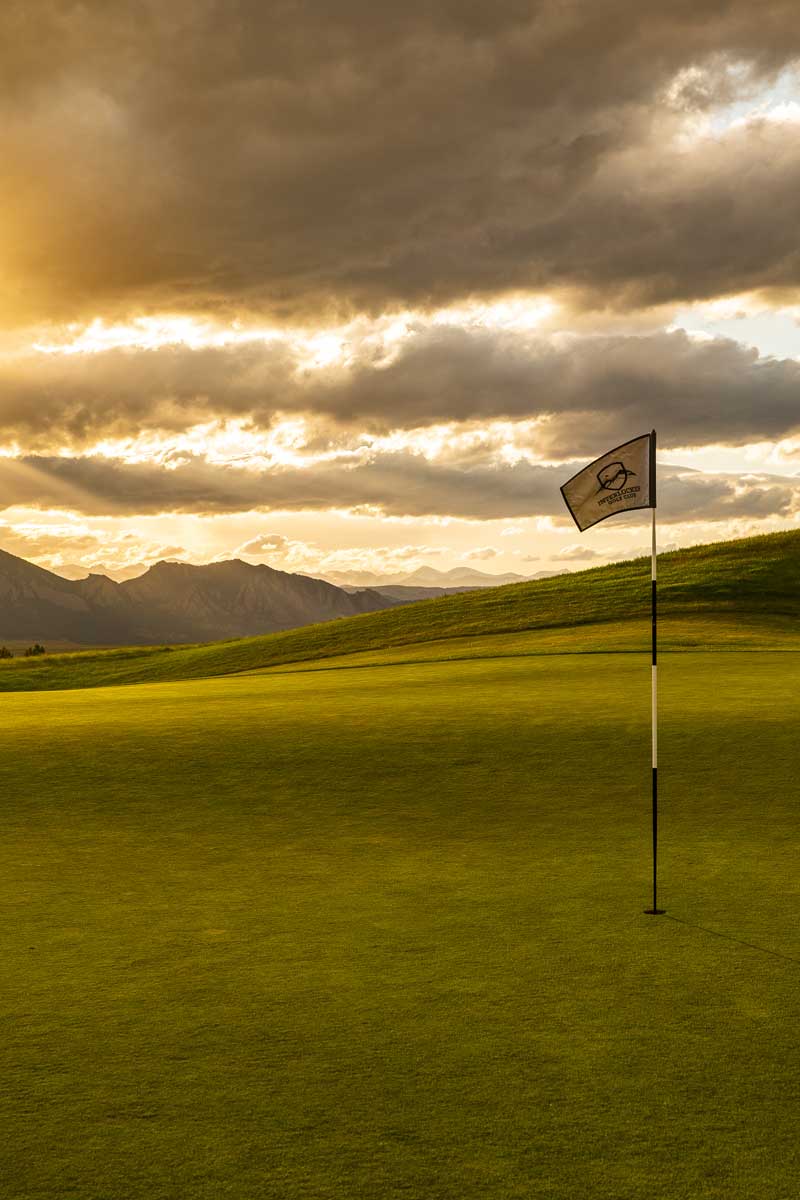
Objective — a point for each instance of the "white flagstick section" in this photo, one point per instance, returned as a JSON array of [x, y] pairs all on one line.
[[654, 678], [653, 577]]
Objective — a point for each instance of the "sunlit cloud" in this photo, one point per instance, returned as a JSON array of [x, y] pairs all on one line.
[[296, 555], [57, 541], [297, 442], [220, 442], [314, 348], [499, 265], [519, 314], [716, 98]]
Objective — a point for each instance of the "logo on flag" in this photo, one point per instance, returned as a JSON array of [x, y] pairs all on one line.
[[614, 476], [621, 479]]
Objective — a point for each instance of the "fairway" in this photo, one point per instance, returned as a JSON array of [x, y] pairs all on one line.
[[379, 933]]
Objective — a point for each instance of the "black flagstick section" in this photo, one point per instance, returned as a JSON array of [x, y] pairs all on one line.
[[655, 910]]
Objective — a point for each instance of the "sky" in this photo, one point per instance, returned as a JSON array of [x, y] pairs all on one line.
[[356, 287]]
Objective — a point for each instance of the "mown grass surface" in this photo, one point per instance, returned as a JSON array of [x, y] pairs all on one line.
[[740, 594], [378, 933]]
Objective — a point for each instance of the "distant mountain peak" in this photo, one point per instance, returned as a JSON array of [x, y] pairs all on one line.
[[426, 576]]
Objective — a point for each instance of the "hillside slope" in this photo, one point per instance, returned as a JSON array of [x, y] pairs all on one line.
[[743, 593]]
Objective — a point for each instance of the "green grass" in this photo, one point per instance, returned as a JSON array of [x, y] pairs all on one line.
[[355, 910], [378, 933], [729, 595]]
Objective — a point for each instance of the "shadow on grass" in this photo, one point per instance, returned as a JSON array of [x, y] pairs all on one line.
[[731, 938]]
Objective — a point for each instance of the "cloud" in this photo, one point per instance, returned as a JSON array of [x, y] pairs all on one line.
[[309, 557], [298, 158], [577, 553], [399, 484], [587, 388], [57, 543], [271, 543], [481, 554], [583, 391]]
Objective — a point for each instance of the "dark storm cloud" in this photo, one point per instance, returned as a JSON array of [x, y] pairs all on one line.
[[588, 390], [292, 157], [394, 484]]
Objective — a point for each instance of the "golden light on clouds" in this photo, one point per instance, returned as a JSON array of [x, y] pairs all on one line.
[[372, 270], [148, 333], [314, 348], [231, 443]]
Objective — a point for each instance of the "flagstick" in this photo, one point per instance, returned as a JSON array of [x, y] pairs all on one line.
[[655, 910]]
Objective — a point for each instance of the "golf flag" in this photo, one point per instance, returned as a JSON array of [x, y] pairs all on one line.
[[621, 479]]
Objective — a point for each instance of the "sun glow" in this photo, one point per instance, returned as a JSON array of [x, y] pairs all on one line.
[[519, 314], [294, 442], [231, 443], [314, 349], [149, 333]]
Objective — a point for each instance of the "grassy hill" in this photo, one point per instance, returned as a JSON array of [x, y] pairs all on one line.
[[738, 594]]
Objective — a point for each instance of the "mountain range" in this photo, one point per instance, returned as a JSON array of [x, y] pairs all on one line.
[[171, 602], [457, 577], [427, 580], [118, 574]]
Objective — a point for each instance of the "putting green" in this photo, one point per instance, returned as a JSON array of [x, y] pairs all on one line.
[[379, 933]]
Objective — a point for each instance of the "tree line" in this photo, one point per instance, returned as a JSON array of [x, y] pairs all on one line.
[[31, 652]]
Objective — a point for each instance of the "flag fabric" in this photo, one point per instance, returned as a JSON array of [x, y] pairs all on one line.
[[621, 479]]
